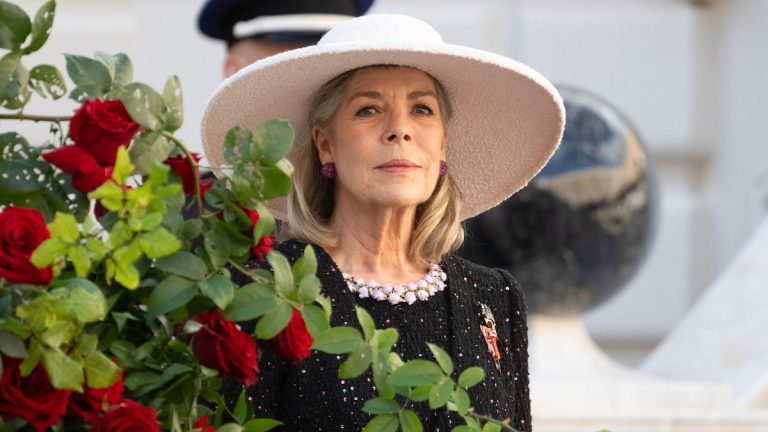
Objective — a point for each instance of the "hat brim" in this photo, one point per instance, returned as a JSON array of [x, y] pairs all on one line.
[[507, 122]]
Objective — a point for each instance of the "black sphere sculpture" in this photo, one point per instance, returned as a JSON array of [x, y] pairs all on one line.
[[579, 231]]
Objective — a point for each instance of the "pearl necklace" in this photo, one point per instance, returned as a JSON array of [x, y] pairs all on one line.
[[423, 289]]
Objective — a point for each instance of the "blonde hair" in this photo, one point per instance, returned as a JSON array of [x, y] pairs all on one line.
[[437, 227]]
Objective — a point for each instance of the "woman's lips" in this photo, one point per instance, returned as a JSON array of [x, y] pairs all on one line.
[[398, 165]]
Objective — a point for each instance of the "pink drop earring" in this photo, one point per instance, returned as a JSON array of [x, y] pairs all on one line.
[[328, 170], [443, 168]]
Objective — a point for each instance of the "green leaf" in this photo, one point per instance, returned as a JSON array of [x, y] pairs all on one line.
[[46, 80], [380, 366], [366, 322], [123, 260], [230, 427], [65, 227], [462, 428], [420, 393], [282, 271], [409, 421], [136, 380], [173, 292], [11, 345], [158, 243], [174, 115], [461, 398], [47, 252], [273, 321], [440, 393], [315, 319], [261, 425], [471, 376], [183, 263], [123, 167], [144, 104], [108, 61], [325, 302], [110, 195], [84, 92], [277, 182], [241, 408], [306, 265], [265, 225], [217, 245], [384, 339], [491, 427], [381, 406], [86, 301], [309, 289], [250, 302], [64, 373], [14, 78], [14, 26], [416, 372], [84, 71], [13, 425], [14, 146], [274, 139], [237, 143], [338, 340], [219, 289], [100, 371], [148, 149], [41, 27], [123, 69], [382, 423], [121, 318], [78, 254], [442, 357], [356, 363]]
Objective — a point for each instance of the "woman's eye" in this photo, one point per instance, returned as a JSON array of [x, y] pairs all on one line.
[[366, 111], [423, 110]]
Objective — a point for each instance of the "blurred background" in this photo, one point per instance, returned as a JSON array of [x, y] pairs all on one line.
[[690, 76]]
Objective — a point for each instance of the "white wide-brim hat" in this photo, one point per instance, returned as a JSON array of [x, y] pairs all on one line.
[[507, 118]]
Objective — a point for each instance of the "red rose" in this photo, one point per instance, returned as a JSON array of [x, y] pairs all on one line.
[[86, 172], [264, 246], [92, 402], [99, 127], [21, 232], [202, 424], [181, 166], [32, 398], [259, 251], [294, 341], [126, 417], [220, 345]]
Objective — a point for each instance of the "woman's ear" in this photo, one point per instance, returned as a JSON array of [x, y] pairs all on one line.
[[322, 144]]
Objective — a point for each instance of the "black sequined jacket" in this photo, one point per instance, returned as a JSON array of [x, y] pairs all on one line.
[[310, 397]]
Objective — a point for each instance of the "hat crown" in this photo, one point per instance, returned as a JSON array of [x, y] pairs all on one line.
[[391, 29]]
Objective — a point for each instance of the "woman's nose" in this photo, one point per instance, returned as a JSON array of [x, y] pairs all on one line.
[[399, 129]]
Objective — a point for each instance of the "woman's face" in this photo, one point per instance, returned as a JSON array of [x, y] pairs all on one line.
[[387, 139]]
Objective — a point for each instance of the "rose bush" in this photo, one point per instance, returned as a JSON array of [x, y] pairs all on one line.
[[129, 321]]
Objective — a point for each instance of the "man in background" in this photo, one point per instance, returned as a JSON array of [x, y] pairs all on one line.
[[255, 29]]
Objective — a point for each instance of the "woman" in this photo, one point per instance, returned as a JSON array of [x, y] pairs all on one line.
[[399, 137]]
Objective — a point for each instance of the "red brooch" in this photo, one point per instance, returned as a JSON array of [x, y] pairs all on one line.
[[488, 328]]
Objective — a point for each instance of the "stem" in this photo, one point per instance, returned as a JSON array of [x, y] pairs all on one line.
[[195, 170], [240, 268], [504, 424], [36, 118]]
